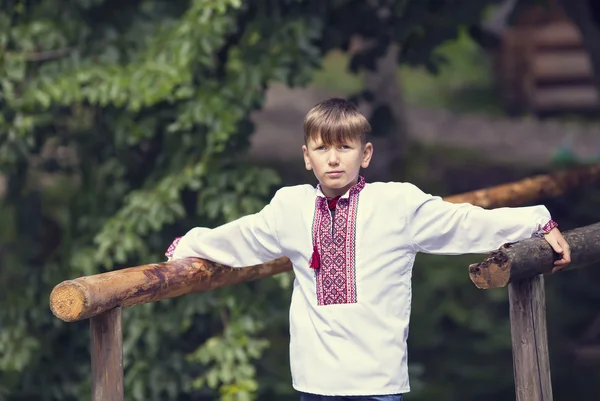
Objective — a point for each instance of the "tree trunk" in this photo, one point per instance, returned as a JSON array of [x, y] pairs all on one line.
[[386, 110], [530, 257], [586, 15], [385, 86]]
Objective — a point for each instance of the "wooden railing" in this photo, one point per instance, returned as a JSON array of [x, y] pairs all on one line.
[[102, 297], [521, 266]]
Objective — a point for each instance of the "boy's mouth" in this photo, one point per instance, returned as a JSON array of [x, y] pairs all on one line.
[[334, 173]]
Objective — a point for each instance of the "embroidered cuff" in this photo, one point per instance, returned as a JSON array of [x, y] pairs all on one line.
[[171, 249], [545, 229]]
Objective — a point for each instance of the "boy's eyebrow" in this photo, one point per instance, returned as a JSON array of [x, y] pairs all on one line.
[[321, 143]]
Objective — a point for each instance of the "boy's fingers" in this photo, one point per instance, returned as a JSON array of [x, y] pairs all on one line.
[[559, 265], [562, 243], [554, 244], [567, 252], [566, 255], [560, 246]]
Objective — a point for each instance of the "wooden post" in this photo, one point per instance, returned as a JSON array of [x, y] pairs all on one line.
[[107, 356], [531, 362]]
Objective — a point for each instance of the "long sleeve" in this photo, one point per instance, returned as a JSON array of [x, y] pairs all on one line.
[[440, 227], [247, 241]]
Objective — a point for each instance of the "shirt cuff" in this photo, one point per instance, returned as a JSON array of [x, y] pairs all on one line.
[[545, 228], [171, 249]]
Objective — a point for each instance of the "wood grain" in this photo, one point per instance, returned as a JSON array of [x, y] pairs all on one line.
[[88, 296], [531, 361], [107, 356]]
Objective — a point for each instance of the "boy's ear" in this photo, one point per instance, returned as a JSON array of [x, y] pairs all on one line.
[[367, 155], [306, 159]]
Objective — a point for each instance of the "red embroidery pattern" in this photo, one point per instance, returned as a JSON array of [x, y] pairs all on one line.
[[171, 250], [335, 243], [545, 229], [549, 226]]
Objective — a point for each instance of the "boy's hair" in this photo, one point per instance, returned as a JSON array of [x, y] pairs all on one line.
[[336, 121]]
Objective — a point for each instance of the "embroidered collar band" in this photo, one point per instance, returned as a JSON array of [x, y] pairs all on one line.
[[356, 188]]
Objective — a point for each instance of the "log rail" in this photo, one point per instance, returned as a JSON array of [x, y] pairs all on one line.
[[88, 296], [534, 256], [102, 297]]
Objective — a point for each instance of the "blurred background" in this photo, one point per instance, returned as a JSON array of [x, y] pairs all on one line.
[[125, 124]]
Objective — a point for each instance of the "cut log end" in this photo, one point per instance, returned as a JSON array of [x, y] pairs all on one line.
[[493, 272], [69, 300]]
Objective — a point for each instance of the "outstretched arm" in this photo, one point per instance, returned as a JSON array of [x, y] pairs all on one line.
[[440, 227], [247, 241]]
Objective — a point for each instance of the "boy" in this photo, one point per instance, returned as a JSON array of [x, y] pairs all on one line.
[[352, 245]]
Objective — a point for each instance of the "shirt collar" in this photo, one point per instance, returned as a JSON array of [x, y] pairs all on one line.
[[355, 189]]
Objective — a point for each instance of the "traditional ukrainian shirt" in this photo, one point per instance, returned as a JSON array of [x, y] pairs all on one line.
[[350, 312]]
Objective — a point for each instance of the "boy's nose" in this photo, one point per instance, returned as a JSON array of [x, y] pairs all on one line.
[[333, 158]]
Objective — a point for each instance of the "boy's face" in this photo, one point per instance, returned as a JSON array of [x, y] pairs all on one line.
[[336, 166]]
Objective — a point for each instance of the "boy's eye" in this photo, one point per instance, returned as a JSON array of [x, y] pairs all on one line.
[[321, 147]]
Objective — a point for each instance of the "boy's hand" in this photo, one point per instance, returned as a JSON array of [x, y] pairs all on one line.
[[560, 246]]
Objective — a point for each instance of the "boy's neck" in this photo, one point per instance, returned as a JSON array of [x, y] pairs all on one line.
[[334, 192]]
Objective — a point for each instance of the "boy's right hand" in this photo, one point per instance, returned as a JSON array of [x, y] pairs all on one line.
[[560, 246]]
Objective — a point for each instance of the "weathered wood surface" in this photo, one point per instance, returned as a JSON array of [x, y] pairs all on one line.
[[531, 361], [85, 297], [530, 257], [107, 356], [530, 189], [88, 296]]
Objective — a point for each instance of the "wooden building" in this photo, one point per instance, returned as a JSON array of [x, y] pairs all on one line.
[[542, 67]]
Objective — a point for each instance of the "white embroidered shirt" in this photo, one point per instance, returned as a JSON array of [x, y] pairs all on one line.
[[349, 317]]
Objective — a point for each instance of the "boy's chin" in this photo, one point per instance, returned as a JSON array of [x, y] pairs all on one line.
[[336, 183]]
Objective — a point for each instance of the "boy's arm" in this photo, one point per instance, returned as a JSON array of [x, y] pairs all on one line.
[[247, 241], [440, 227]]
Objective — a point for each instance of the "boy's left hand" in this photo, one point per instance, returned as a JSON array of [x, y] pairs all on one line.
[[560, 246]]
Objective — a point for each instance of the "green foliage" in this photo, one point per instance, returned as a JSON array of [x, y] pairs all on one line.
[[462, 83], [123, 125]]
